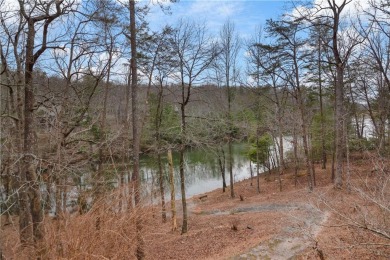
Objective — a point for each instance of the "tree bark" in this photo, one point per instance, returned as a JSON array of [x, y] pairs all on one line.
[[257, 161], [340, 126], [324, 158], [296, 159], [140, 251], [158, 119], [184, 227], [161, 183], [277, 164], [29, 176], [221, 162], [339, 92], [251, 171], [230, 165], [103, 134], [172, 186]]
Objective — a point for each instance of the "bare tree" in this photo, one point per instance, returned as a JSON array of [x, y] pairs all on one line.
[[195, 52], [81, 74], [163, 63], [289, 58], [230, 45], [12, 52], [341, 54], [172, 187], [36, 14], [105, 18], [269, 84], [331, 14], [321, 36], [377, 45], [341, 61], [135, 124]]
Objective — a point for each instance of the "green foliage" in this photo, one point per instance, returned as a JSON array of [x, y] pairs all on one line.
[[317, 135], [311, 96], [96, 132], [246, 114], [170, 124], [88, 86], [248, 119], [260, 148], [87, 119], [356, 144], [168, 121]]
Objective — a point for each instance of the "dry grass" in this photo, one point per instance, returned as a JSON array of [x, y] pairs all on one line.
[[101, 233], [104, 232], [360, 224]]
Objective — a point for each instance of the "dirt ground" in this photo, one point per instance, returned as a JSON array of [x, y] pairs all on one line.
[[290, 224]]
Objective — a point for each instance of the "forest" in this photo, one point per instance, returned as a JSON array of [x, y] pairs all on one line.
[[88, 91]]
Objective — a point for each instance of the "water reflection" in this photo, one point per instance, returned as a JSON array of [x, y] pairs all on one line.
[[202, 173]]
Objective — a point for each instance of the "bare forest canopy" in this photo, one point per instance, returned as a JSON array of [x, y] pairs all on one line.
[[85, 85]]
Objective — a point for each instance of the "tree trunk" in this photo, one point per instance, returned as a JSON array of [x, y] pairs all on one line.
[[356, 118], [7, 190], [280, 169], [183, 191], [251, 171], [309, 168], [340, 126], [172, 186], [296, 159], [58, 197], [304, 140], [140, 251], [257, 162], [312, 161], [181, 169], [221, 162], [324, 159], [29, 177], [161, 183], [127, 146], [13, 107], [281, 151], [230, 165], [103, 135], [158, 119], [304, 123]]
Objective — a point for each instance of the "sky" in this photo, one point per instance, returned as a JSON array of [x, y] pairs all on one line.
[[246, 14]]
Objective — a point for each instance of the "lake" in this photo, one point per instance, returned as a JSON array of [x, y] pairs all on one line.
[[202, 173]]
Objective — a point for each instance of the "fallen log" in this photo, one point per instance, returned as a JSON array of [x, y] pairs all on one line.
[[203, 197]]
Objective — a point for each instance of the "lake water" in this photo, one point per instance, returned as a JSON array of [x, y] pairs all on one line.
[[202, 173]]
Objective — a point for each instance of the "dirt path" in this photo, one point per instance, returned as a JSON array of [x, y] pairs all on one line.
[[300, 226], [304, 224], [260, 208]]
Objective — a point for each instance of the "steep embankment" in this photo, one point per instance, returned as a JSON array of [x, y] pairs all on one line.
[[293, 223], [272, 224]]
